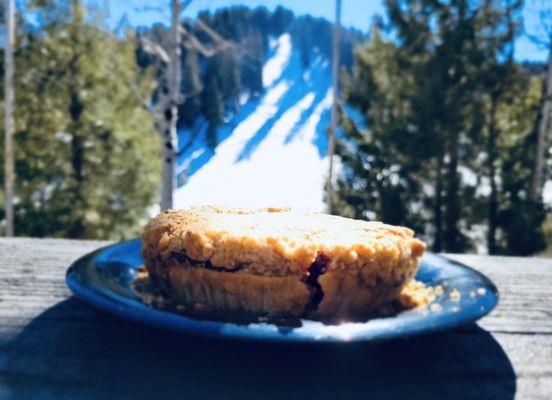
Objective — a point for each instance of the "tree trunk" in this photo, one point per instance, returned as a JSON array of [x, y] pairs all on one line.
[[542, 133], [170, 113], [438, 208], [333, 121], [77, 146], [493, 197], [9, 175], [451, 231], [75, 110]]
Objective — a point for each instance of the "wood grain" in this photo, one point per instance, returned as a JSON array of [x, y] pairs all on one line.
[[54, 346]]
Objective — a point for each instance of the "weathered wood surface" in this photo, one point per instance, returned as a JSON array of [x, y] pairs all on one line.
[[53, 346]]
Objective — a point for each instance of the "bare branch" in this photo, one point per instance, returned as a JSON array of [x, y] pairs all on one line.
[[150, 47], [212, 34], [192, 43]]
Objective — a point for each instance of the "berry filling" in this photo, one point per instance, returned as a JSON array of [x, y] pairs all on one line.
[[183, 258], [316, 269]]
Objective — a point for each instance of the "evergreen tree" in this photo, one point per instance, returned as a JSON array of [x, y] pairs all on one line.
[[191, 88], [305, 43], [252, 69], [213, 106], [422, 96], [281, 20], [519, 218], [377, 179], [230, 80], [85, 145]]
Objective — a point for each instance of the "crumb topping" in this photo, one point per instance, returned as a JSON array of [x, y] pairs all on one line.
[[276, 241]]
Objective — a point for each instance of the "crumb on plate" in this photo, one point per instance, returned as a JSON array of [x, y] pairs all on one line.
[[455, 295]]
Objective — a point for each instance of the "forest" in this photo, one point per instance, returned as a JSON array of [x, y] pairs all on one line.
[[453, 121], [441, 129]]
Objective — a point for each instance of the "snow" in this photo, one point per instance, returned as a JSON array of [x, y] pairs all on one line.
[[275, 65], [468, 176], [273, 151], [547, 193]]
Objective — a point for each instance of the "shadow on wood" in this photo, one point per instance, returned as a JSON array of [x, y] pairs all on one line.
[[88, 354]]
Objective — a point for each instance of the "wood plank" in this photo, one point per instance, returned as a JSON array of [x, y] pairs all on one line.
[[54, 346], [525, 288], [32, 277]]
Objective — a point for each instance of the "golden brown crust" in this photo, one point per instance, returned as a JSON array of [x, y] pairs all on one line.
[[277, 264], [227, 294], [276, 242], [356, 295], [347, 296], [223, 295]]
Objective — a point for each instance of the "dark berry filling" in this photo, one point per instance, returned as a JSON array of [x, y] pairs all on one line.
[[183, 258], [316, 269]]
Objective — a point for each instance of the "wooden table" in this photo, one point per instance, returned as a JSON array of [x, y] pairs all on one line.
[[53, 346]]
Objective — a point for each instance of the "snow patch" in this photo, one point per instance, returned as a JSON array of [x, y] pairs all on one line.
[[275, 65], [547, 193], [468, 176]]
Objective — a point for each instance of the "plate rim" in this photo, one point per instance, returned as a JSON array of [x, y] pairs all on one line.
[[216, 329]]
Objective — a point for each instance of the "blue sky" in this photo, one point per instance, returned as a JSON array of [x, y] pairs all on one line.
[[357, 13]]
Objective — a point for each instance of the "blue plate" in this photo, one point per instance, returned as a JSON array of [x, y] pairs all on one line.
[[103, 278]]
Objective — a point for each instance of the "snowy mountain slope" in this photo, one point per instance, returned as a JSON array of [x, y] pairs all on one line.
[[273, 151]]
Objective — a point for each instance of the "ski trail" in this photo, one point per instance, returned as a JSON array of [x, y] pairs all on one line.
[[283, 136]]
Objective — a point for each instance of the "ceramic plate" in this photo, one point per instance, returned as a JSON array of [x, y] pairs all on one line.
[[103, 278]]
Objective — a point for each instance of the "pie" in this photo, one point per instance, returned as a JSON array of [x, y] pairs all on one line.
[[277, 264]]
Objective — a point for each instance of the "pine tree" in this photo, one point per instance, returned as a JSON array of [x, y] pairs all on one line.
[[301, 34], [252, 70], [493, 77], [229, 78], [86, 155], [373, 184], [191, 88], [213, 106], [520, 218], [281, 19], [422, 96]]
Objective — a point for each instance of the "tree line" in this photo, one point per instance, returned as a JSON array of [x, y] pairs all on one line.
[[448, 140], [217, 68]]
